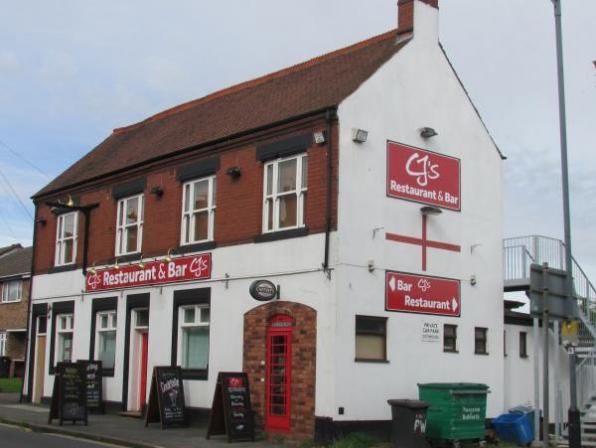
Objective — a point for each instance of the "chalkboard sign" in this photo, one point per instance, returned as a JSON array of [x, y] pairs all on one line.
[[166, 398], [69, 396], [231, 412], [94, 378]]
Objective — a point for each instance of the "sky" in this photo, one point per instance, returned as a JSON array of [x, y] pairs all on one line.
[[71, 71]]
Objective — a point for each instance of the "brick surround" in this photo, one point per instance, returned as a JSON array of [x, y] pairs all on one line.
[[304, 334]]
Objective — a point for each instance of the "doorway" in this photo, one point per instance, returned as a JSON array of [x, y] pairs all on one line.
[[139, 350], [279, 374], [40, 358]]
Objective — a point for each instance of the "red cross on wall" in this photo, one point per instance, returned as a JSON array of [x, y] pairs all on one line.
[[424, 242]]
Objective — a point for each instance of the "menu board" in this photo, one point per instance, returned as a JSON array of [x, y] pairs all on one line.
[[231, 412], [94, 377], [69, 396], [166, 398]]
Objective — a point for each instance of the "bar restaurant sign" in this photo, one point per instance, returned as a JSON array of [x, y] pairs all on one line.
[[423, 176], [410, 293], [197, 267]]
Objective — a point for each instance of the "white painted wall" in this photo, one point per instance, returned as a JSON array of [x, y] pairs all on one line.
[[416, 88]]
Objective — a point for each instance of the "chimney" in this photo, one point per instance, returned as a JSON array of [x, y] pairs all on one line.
[[405, 13]]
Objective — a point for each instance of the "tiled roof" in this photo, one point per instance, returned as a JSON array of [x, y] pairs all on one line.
[[298, 90], [16, 262], [7, 249]]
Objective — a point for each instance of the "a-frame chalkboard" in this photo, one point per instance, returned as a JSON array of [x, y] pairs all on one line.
[[166, 398], [69, 396], [231, 411], [94, 379]]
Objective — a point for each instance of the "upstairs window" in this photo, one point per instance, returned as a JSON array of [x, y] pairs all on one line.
[[129, 228], [285, 186], [198, 211], [66, 239], [12, 291]]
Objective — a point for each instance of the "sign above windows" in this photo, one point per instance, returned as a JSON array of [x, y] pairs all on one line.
[[409, 293], [423, 176], [196, 267]]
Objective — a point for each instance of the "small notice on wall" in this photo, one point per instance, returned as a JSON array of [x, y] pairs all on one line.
[[431, 332]]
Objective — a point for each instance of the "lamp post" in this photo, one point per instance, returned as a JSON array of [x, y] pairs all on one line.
[[573, 413]]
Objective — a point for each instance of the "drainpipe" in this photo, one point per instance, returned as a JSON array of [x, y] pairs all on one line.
[[27, 338], [330, 115]]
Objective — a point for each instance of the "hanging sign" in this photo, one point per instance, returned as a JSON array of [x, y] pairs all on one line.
[[231, 412], [262, 290], [197, 267], [423, 176], [420, 294]]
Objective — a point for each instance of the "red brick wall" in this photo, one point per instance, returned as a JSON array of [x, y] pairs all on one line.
[[304, 335], [239, 202]]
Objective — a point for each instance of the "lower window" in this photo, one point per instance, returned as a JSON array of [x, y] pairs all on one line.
[[64, 330], [450, 338], [105, 350], [2, 343], [371, 338], [193, 337], [481, 341]]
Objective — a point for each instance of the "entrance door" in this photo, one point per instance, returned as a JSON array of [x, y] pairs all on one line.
[[40, 359], [143, 370], [279, 374]]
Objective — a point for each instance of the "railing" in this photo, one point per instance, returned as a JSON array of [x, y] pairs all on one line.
[[586, 380], [520, 252]]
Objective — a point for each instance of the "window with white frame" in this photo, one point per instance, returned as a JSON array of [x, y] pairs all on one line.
[[285, 186], [64, 330], [2, 343], [66, 239], [193, 336], [198, 210], [129, 225], [12, 291], [105, 338]]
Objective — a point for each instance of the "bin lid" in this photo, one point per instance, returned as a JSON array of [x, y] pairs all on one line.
[[410, 404], [454, 386]]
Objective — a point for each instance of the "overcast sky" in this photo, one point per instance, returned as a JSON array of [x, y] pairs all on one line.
[[71, 71]]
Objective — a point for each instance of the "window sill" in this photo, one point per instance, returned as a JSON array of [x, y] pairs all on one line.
[[524, 356], [281, 235], [481, 353], [108, 373], [195, 247], [8, 302], [450, 351], [374, 361], [63, 268], [136, 256], [194, 374]]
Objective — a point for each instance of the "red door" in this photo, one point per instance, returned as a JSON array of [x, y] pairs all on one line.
[[279, 374], [143, 369]]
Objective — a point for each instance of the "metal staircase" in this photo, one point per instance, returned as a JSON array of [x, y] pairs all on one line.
[[519, 253]]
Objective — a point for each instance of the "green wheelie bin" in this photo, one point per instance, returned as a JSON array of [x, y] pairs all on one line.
[[456, 411]]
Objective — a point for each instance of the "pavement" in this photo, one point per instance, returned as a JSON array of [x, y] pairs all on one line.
[[114, 429]]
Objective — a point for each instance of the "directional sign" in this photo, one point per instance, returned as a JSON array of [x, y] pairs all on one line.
[[410, 293]]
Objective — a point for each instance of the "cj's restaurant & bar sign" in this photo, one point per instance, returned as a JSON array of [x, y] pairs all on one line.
[[411, 293], [423, 176], [196, 267]]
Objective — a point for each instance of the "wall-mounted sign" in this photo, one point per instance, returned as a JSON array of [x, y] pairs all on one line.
[[410, 293], [197, 267], [262, 290], [423, 176], [431, 332]]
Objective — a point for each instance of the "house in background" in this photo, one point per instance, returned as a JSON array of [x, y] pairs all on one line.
[[15, 277]]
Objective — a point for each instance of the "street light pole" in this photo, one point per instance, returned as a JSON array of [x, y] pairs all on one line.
[[573, 413]]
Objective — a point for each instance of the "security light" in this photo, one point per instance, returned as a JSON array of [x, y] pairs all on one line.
[[319, 137], [359, 135], [427, 132]]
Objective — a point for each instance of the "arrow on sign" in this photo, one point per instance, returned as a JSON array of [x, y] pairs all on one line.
[[454, 304], [392, 283]]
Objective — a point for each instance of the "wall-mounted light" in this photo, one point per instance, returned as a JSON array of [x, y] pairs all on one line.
[[473, 280], [157, 191], [92, 269], [234, 172], [42, 221], [429, 210], [116, 265], [359, 135], [141, 264], [168, 256], [319, 137], [427, 132]]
